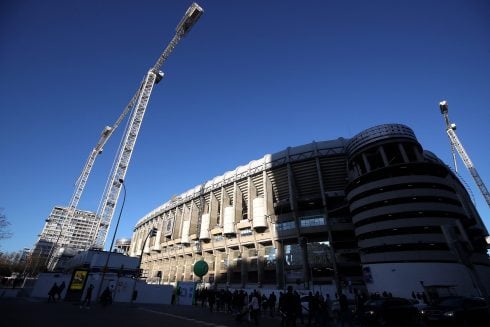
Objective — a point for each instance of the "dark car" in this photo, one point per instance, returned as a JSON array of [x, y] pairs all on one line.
[[457, 311], [335, 309], [389, 311]]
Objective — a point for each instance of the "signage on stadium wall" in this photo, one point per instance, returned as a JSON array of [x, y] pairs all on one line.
[[168, 227]]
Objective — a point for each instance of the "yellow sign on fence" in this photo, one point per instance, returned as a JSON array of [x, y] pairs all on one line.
[[78, 279]]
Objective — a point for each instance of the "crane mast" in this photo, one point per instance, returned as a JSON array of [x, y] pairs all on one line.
[[104, 137], [64, 236], [456, 144], [154, 75]]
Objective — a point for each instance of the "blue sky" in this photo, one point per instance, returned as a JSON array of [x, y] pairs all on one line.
[[252, 77]]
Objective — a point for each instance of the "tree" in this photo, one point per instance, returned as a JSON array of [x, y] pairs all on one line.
[[4, 225]]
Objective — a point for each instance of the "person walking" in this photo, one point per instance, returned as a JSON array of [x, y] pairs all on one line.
[[255, 308], [88, 297], [106, 297], [52, 292], [312, 308], [59, 290], [288, 305], [345, 314], [272, 304], [211, 299]]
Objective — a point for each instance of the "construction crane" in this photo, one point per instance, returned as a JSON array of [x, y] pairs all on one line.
[[98, 149], [456, 145], [142, 96], [64, 236]]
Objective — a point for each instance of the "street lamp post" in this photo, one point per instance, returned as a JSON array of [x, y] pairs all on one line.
[[151, 233], [121, 181]]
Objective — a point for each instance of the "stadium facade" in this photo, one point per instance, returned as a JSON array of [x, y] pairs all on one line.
[[376, 212]]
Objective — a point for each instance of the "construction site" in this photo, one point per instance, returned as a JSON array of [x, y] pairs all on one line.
[[340, 216]]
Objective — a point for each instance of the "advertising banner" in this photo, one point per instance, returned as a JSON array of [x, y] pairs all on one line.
[[78, 280]]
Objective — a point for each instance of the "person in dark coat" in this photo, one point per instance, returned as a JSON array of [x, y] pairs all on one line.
[[106, 297], [345, 314], [59, 290], [52, 292], [88, 297], [211, 299], [272, 304], [289, 308]]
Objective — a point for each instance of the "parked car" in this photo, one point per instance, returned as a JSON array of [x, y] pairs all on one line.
[[335, 308], [457, 311], [418, 304], [305, 299], [389, 311]]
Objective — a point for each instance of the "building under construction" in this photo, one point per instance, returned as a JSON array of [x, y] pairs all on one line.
[[63, 238], [375, 212]]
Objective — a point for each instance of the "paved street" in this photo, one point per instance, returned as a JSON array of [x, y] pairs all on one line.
[[20, 312]]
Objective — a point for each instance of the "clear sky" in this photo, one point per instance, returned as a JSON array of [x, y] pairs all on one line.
[[251, 78]]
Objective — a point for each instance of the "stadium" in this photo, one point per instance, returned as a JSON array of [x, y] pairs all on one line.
[[375, 213]]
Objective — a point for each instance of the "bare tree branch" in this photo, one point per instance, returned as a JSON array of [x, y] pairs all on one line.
[[4, 225]]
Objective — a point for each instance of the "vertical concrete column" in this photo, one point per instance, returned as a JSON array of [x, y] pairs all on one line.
[[164, 271], [292, 194], [366, 162], [132, 246], [156, 242], [168, 270], [403, 152], [252, 193], [280, 271], [303, 242], [146, 246], [179, 218], [228, 269], [221, 213], [268, 195], [213, 211], [140, 242], [179, 268], [196, 257], [383, 156], [194, 218], [418, 154], [176, 222], [217, 259], [175, 268], [355, 171], [244, 270], [237, 202], [260, 264], [329, 226], [160, 226], [187, 266]]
